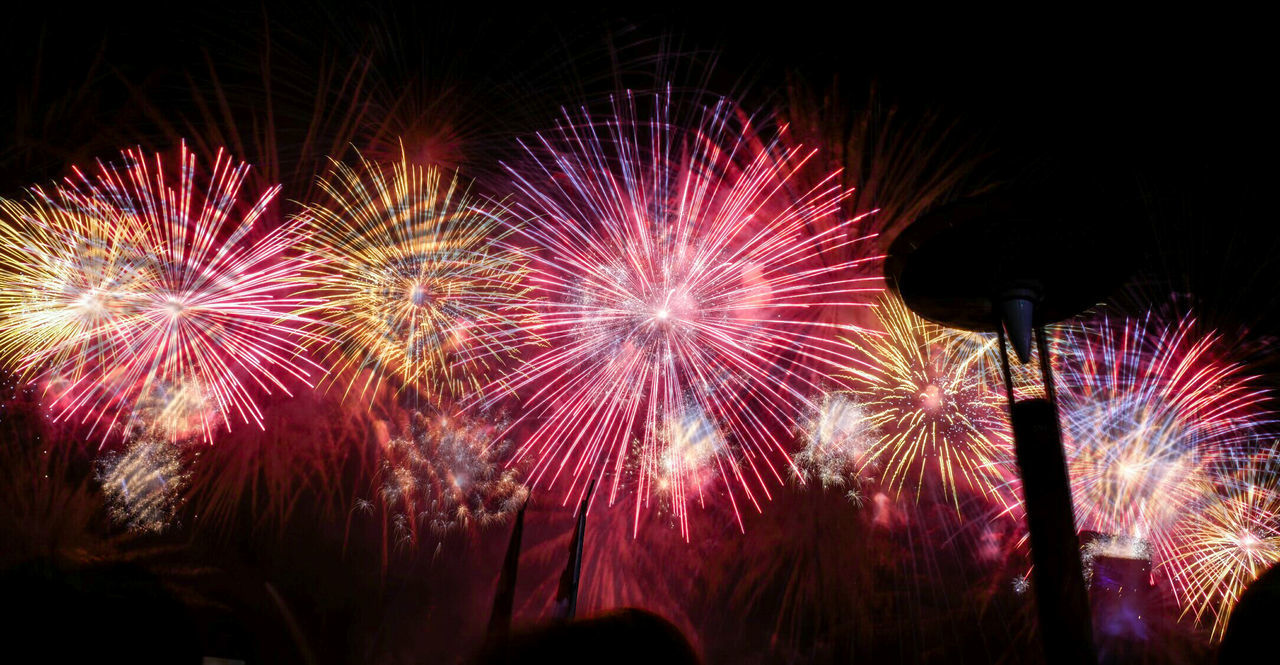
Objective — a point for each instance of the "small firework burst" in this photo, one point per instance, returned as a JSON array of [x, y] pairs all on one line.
[[935, 415], [1021, 583], [178, 292], [837, 439], [143, 484], [417, 279], [693, 453], [1229, 539], [685, 273], [445, 476]]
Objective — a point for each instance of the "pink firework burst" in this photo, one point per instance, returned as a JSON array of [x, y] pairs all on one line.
[[685, 271], [212, 305]]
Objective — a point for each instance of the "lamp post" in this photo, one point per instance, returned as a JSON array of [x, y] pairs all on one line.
[[1005, 264]]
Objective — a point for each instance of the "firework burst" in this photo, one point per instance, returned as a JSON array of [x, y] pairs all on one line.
[[836, 440], [1158, 431], [1146, 410], [176, 291], [1134, 471], [1172, 369], [445, 476], [175, 411], [143, 484], [69, 280], [687, 463], [417, 280], [937, 416], [1230, 539], [683, 272]]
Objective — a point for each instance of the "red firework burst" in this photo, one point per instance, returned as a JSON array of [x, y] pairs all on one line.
[[685, 273]]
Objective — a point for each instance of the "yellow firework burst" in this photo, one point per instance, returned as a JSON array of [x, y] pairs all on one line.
[[979, 353], [418, 280], [70, 278], [1224, 544], [936, 416]]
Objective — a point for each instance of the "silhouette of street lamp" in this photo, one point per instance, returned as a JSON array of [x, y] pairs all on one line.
[[1013, 264]]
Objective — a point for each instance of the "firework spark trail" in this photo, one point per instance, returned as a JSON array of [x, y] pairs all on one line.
[[936, 414], [683, 277], [1230, 539], [208, 304], [417, 280]]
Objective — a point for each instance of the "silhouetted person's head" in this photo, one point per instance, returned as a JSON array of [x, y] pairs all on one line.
[[1252, 628], [621, 637]]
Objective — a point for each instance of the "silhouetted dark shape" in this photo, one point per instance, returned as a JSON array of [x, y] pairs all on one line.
[[567, 592], [621, 637], [1252, 629], [1010, 263], [1121, 596], [505, 595], [1060, 593], [116, 613], [959, 264]]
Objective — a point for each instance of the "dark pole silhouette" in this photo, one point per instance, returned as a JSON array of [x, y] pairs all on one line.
[[1003, 264], [566, 604], [505, 595]]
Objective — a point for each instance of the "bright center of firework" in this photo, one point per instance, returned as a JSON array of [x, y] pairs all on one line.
[[419, 295], [931, 397], [175, 308], [1247, 541], [670, 309], [92, 303]]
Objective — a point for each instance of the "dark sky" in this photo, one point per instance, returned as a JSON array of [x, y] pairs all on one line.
[[1170, 105]]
